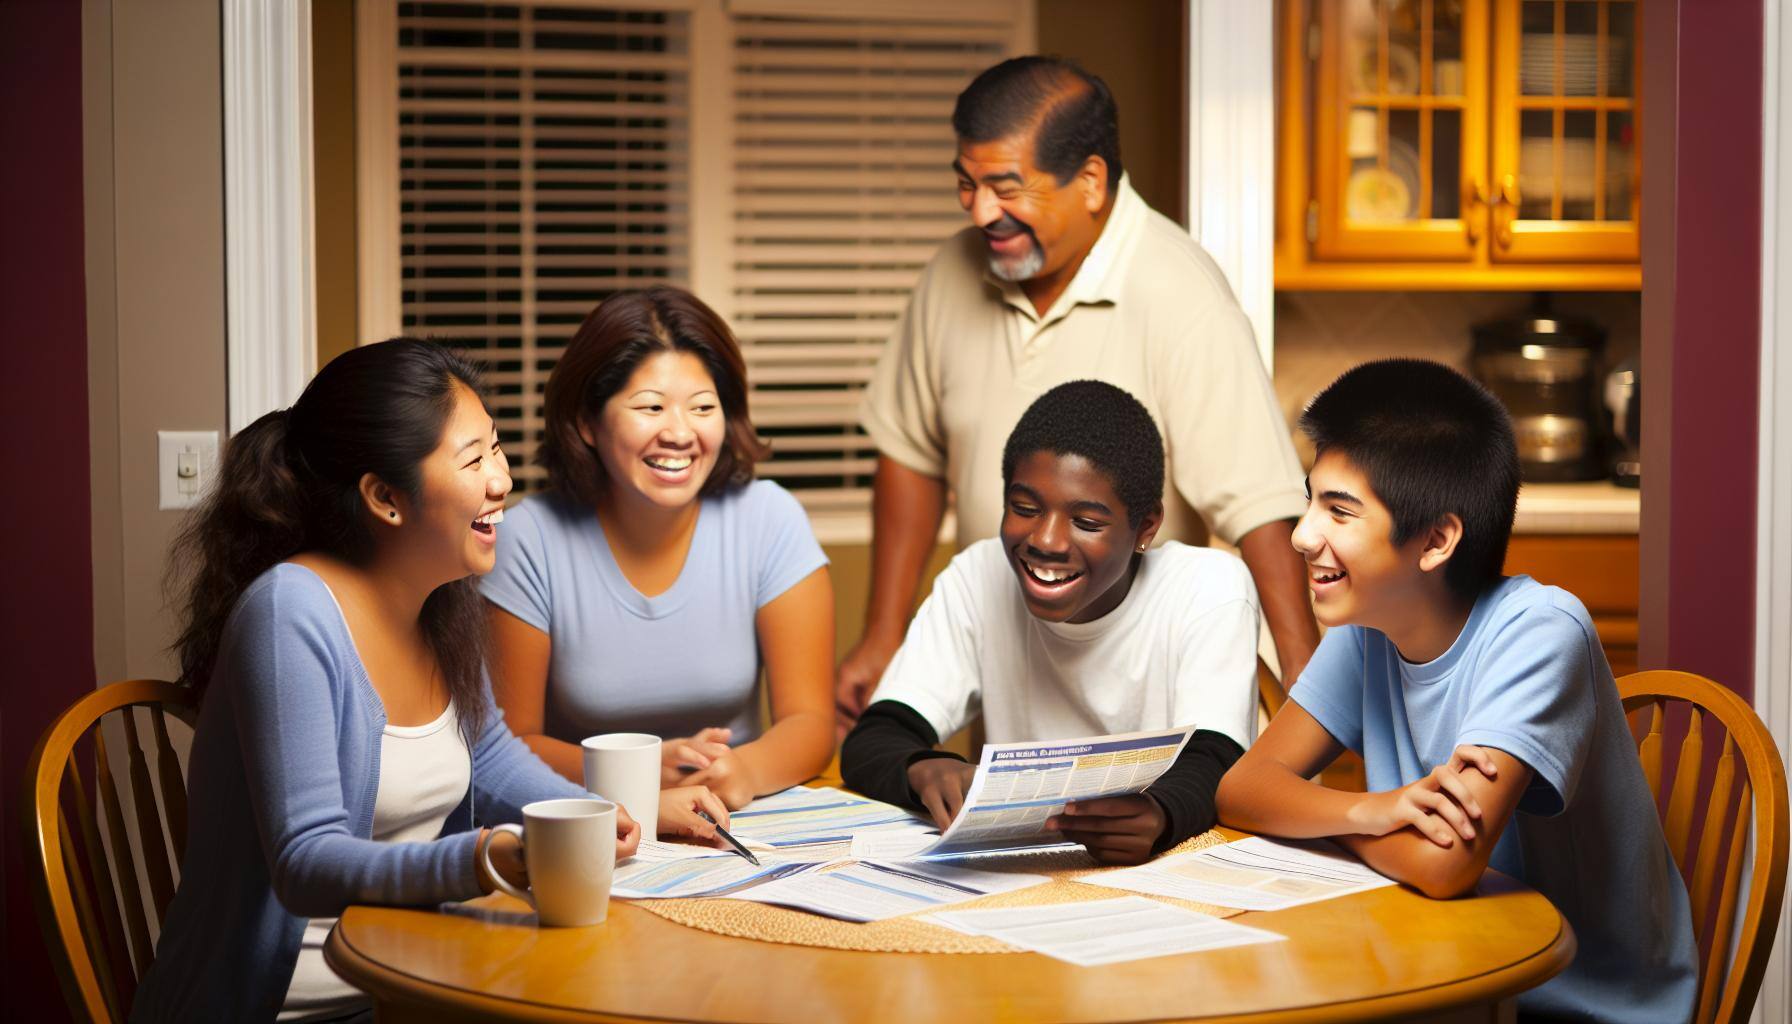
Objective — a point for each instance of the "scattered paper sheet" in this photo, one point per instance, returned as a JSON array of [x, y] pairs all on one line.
[[660, 850], [808, 817], [1103, 931], [874, 892], [914, 845], [1251, 874], [659, 875], [1020, 785]]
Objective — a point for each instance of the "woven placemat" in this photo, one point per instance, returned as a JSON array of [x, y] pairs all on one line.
[[765, 923]]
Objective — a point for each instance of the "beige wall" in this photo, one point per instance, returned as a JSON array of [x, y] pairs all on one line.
[[1136, 47], [153, 140]]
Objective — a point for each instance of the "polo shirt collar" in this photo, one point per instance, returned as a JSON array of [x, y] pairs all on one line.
[[1099, 278]]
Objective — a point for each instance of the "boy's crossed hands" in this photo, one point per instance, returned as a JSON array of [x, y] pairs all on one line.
[[1439, 806]]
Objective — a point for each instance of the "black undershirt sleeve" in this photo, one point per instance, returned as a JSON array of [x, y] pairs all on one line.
[[891, 736], [1186, 790]]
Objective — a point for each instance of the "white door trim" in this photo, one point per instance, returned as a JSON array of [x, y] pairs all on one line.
[[269, 280], [1773, 515], [1231, 150]]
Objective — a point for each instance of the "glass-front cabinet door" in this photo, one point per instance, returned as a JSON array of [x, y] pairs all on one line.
[[1400, 129], [1565, 160]]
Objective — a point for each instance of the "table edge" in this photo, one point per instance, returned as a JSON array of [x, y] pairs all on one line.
[[381, 981]]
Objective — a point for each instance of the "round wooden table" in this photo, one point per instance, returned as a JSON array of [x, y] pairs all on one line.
[[1385, 953]]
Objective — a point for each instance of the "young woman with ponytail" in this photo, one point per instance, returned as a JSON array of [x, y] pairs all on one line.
[[347, 749]]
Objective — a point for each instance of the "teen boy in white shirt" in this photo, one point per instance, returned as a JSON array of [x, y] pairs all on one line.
[[1066, 625]]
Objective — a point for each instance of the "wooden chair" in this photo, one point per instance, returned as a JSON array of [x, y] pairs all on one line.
[[1728, 978], [1270, 693], [89, 900]]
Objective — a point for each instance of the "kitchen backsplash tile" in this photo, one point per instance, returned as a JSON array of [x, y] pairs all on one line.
[[1321, 334]]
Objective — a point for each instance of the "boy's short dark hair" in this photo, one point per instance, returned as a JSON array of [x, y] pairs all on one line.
[[1103, 424], [1069, 112], [1432, 442]]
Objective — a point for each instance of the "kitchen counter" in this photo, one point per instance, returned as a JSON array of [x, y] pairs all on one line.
[[1595, 506]]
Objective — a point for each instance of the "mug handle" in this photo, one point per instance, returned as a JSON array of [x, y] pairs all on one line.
[[497, 879]]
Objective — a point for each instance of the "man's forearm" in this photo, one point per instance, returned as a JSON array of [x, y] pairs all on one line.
[[906, 509], [1281, 578]]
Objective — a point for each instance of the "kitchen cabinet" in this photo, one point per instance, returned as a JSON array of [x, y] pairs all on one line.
[[1458, 144]]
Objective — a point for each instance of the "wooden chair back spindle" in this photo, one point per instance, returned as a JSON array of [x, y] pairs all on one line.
[[1729, 977], [89, 899], [1271, 694]]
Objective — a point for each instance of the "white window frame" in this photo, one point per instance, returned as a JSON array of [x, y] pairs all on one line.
[[1773, 514], [269, 280]]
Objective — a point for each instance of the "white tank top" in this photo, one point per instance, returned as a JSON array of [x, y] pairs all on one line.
[[424, 773]]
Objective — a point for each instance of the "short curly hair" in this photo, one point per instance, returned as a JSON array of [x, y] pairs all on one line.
[[1101, 423]]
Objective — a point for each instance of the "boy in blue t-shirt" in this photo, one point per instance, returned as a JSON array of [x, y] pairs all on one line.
[[1482, 705]]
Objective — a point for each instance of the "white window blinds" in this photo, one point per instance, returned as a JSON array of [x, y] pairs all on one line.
[[842, 191], [541, 167], [788, 160]]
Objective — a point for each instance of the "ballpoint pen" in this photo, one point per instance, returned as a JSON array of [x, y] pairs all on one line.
[[738, 848]]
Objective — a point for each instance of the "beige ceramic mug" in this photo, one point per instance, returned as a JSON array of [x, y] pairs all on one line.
[[569, 847]]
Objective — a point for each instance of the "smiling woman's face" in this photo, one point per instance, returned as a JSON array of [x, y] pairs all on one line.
[[1068, 539], [463, 485], [658, 437]]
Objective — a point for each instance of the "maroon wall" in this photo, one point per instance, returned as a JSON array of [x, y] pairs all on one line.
[[46, 628], [1701, 339]]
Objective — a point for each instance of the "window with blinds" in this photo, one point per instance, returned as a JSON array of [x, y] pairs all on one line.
[[842, 191], [545, 159], [542, 166]]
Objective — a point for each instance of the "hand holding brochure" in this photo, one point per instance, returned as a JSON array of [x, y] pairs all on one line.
[[1020, 785]]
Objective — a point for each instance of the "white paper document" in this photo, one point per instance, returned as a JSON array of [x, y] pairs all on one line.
[[873, 892], [1251, 874], [1020, 785], [812, 817], [670, 871], [1103, 931]]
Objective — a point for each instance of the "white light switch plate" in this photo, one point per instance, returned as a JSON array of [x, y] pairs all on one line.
[[186, 461]]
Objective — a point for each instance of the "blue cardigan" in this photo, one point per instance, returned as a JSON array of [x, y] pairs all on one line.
[[282, 776]]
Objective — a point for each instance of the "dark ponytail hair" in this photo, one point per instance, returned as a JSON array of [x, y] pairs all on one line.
[[291, 483]]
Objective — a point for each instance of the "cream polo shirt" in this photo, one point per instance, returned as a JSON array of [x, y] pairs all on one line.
[[1148, 311]]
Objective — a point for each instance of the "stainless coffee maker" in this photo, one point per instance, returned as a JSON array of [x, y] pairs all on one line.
[[1623, 395], [1542, 367]]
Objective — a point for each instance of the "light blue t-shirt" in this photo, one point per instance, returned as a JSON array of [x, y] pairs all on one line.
[[670, 664], [1527, 676]]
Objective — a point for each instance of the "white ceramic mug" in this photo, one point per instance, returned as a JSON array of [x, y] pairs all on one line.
[[569, 847], [625, 767]]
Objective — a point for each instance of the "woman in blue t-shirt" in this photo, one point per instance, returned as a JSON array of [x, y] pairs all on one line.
[[644, 591]]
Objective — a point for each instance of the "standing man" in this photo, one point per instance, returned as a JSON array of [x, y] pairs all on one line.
[[1066, 274]]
